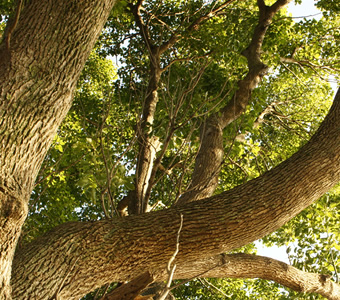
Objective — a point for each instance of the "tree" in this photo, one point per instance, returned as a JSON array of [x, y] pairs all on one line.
[[206, 216]]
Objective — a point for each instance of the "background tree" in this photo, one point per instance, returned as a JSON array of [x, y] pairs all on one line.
[[181, 123]]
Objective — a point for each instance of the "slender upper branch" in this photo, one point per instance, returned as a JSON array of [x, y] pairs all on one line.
[[145, 166], [211, 154]]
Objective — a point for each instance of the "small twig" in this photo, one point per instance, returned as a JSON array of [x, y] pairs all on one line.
[[206, 282], [297, 77], [241, 168], [102, 198], [106, 165], [171, 270], [335, 267]]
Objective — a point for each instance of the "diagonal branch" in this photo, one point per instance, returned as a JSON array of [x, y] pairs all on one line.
[[122, 247], [149, 145], [131, 289], [210, 156], [309, 64]]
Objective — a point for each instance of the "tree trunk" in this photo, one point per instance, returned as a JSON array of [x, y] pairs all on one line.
[[76, 258], [41, 59]]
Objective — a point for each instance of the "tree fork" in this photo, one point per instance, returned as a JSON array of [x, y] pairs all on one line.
[[128, 246]]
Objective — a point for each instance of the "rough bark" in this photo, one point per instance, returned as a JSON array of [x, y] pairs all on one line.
[[38, 76], [208, 162], [253, 266], [210, 157], [41, 59], [76, 258], [131, 289]]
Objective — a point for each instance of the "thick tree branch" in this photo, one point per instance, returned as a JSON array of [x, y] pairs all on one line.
[[148, 144], [253, 266], [211, 154], [114, 250], [204, 179], [143, 29], [257, 69]]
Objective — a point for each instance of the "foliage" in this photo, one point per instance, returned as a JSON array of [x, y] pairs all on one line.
[[73, 177], [91, 164], [6, 8]]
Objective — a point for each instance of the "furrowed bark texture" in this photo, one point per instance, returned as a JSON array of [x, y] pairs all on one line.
[[211, 154], [76, 258], [131, 289], [43, 51]]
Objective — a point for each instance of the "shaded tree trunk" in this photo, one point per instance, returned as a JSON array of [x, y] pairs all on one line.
[[75, 258], [41, 58]]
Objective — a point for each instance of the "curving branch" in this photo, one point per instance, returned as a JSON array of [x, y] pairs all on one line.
[[257, 69], [211, 154], [117, 249], [254, 266]]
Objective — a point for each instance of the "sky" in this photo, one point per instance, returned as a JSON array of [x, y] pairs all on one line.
[[307, 8]]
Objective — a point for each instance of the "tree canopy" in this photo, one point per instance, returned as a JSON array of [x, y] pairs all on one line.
[[147, 145]]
